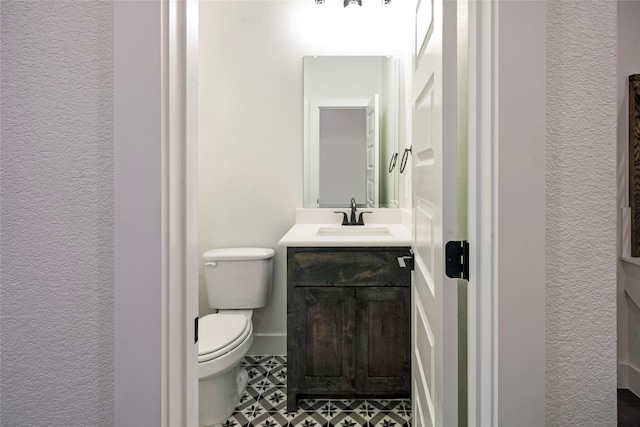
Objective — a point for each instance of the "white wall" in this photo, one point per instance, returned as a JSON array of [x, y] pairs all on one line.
[[351, 77], [580, 214], [56, 212], [251, 121], [389, 132], [628, 62]]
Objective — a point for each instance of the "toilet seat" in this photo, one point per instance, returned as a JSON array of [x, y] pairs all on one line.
[[221, 333]]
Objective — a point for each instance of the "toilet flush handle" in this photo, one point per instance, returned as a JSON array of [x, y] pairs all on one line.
[[211, 264]]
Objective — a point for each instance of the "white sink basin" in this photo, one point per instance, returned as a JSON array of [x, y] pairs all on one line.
[[353, 230], [314, 235]]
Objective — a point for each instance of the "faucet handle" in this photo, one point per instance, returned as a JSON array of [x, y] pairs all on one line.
[[360, 220], [345, 220]]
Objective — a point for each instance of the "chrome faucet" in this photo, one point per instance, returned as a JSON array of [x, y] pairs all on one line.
[[352, 220]]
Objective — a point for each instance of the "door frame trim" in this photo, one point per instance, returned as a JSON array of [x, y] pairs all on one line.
[[311, 141], [179, 220], [482, 214], [180, 250], [483, 398]]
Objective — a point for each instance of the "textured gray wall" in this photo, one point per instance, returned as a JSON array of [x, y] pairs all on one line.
[[581, 214], [628, 63], [56, 212], [57, 326]]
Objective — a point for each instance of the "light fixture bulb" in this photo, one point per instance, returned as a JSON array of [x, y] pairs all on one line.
[[350, 2]]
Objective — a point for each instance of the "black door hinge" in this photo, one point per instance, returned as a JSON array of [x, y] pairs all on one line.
[[457, 259], [195, 327]]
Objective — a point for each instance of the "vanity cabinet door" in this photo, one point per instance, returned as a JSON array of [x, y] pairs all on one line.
[[324, 335], [383, 340], [348, 323]]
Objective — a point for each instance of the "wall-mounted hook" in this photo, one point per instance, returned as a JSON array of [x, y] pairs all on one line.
[[392, 163], [405, 157]]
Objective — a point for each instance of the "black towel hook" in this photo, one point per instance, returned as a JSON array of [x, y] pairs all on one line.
[[392, 164], [405, 157]]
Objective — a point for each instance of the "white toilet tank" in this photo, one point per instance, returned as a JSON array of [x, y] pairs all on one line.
[[238, 278]]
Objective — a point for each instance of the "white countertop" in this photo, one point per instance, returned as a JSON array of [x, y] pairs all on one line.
[[334, 234]]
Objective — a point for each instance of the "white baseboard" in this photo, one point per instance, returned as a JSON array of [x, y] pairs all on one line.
[[272, 345], [629, 377], [623, 375]]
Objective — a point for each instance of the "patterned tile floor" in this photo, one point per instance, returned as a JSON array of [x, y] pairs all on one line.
[[265, 400]]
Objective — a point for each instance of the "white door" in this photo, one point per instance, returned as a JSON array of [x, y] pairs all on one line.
[[373, 152], [434, 302]]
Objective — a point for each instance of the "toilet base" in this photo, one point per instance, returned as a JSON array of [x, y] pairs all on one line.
[[220, 395]]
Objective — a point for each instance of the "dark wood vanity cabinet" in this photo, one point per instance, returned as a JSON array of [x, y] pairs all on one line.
[[348, 323]]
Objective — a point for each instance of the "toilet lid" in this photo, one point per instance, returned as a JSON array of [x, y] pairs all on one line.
[[220, 333]]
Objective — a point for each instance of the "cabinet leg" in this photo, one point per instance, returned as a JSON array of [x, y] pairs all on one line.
[[292, 401]]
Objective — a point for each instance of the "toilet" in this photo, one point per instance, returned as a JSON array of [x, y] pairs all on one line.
[[238, 280]]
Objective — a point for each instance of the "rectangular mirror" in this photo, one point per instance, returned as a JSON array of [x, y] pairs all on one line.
[[350, 131]]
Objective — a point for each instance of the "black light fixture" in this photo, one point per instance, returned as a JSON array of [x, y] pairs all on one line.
[[350, 2]]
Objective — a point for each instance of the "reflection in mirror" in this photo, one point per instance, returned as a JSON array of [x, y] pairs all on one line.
[[342, 167], [351, 131]]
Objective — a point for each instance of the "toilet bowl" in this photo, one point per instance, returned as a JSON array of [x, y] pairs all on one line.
[[238, 280], [224, 340]]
